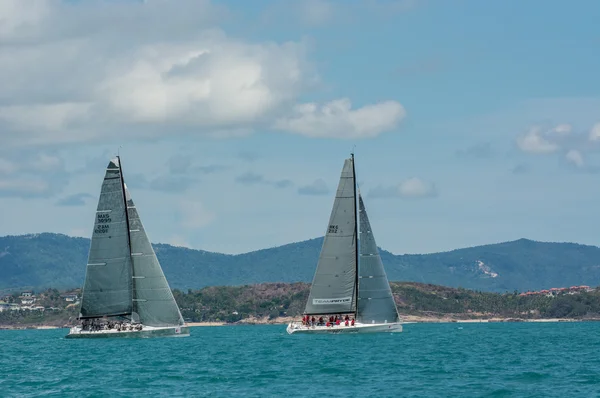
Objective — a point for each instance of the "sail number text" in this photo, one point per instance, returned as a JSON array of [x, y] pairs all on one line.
[[102, 220], [332, 229]]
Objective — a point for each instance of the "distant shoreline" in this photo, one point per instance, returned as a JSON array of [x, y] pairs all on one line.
[[286, 320]]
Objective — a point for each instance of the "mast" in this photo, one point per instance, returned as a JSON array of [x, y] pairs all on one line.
[[128, 233], [356, 237], [333, 290]]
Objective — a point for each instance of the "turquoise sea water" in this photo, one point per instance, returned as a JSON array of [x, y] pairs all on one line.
[[426, 360]]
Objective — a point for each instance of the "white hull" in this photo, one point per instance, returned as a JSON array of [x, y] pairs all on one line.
[[297, 327], [147, 331]]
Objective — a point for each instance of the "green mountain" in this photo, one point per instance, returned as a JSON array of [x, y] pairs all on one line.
[[415, 301], [58, 261]]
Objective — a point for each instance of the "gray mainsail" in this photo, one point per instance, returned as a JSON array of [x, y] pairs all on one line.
[[375, 299], [108, 289], [333, 288], [153, 300]]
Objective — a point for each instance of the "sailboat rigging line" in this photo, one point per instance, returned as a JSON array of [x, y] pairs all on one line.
[[128, 233], [102, 316], [355, 239]]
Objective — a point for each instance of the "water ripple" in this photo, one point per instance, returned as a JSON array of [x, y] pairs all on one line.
[[427, 360]]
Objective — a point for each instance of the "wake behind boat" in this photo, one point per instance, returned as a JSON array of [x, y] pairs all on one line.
[[342, 284], [125, 293], [128, 330]]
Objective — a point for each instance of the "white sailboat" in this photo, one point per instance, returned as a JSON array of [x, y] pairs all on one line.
[[125, 293], [349, 281]]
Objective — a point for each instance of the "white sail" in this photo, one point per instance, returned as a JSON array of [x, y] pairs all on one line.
[[375, 300], [153, 300], [107, 289], [333, 288]]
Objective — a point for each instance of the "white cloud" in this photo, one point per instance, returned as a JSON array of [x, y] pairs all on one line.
[[79, 71], [415, 187], [534, 142], [7, 167], [194, 215], [575, 157], [316, 12], [179, 241], [317, 187], [213, 80], [29, 174], [20, 187], [562, 129], [18, 17], [595, 133], [80, 232], [563, 141], [410, 188], [337, 119], [48, 117], [45, 163], [38, 163]]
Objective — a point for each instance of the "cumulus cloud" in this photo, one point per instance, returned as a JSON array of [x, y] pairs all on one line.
[[181, 174], [561, 129], [410, 188], [7, 167], [79, 72], [175, 184], [316, 12], [317, 187], [25, 188], [179, 241], [163, 183], [184, 164], [31, 162], [575, 157], [534, 141], [194, 215], [81, 232], [595, 133], [28, 174], [337, 119], [571, 145], [77, 199], [250, 178], [18, 17]]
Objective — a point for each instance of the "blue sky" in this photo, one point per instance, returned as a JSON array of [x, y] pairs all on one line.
[[474, 122]]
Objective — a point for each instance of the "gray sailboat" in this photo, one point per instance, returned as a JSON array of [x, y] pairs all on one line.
[[125, 293], [348, 281]]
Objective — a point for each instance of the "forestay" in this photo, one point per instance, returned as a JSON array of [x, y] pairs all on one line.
[[107, 290], [375, 299], [333, 287], [153, 300]]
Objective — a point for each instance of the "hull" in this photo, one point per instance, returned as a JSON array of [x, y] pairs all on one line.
[[358, 328], [146, 332]]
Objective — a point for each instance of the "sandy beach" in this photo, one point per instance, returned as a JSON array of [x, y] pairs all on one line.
[[198, 324], [405, 318], [286, 320]]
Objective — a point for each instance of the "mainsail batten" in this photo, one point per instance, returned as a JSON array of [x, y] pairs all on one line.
[[108, 286], [375, 300], [333, 290]]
